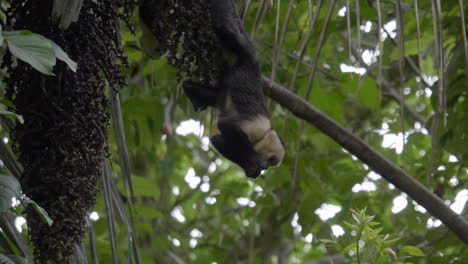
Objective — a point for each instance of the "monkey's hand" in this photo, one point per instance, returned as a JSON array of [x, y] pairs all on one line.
[[201, 95]]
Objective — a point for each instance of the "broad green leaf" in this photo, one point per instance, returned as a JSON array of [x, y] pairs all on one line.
[[329, 101], [61, 55], [413, 251], [11, 259], [33, 49], [7, 102], [14, 115], [5, 260], [143, 187], [38, 51], [9, 188], [18, 259], [39, 210], [42, 213], [411, 46], [148, 212], [369, 94], [2, 17]]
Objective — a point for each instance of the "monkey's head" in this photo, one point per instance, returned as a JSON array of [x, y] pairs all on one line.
[[240, 152], [252, 158], [271, 149]]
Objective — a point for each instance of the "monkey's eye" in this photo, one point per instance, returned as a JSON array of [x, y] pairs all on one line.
[[272, 160]]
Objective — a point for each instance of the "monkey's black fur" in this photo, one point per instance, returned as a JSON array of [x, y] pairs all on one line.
[[237, 93]]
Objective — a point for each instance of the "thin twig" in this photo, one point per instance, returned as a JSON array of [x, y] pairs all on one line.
[[259, 18], [410, 61], [309, 89], [348, 27], [418, 33], [401, 56], [305, 42], [465, 42], [275, 46], [284, 29]]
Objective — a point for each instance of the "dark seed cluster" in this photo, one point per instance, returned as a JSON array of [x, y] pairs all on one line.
[[183, 27], [62, 142]]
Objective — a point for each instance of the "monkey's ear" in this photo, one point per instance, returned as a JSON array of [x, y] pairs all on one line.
[[244, 157]]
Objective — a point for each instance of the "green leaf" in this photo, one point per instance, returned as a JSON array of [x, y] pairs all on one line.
[[5, 260], [327, 241], [413, 251], [389, 250], [42, 213], [376, 231], [33, 49], [369, 94], [411, 46], [61, 55], [393, 240], [9, 188], [148, 212], [39, 210], [351, 226], [7, 102], [356, 218], [1, 36], [350, 247], [373, 223], [14, 115], [12, 259], [2, 17], [38, 51], [143, 187], [369, 218]]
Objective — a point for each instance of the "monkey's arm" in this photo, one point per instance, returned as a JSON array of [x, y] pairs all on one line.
[[201, 95]]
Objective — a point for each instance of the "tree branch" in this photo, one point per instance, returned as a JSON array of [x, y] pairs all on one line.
[[391, 172]]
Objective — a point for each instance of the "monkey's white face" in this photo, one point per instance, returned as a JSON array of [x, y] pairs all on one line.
[[267, 143], [271, 149]]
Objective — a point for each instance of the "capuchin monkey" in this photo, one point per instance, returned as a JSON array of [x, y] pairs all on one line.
[[246, 135]]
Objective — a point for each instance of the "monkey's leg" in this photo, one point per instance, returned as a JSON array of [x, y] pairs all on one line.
[[201, 95], [230, 30]]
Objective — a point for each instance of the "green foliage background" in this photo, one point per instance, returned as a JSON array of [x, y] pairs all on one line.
[[261, 230]]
